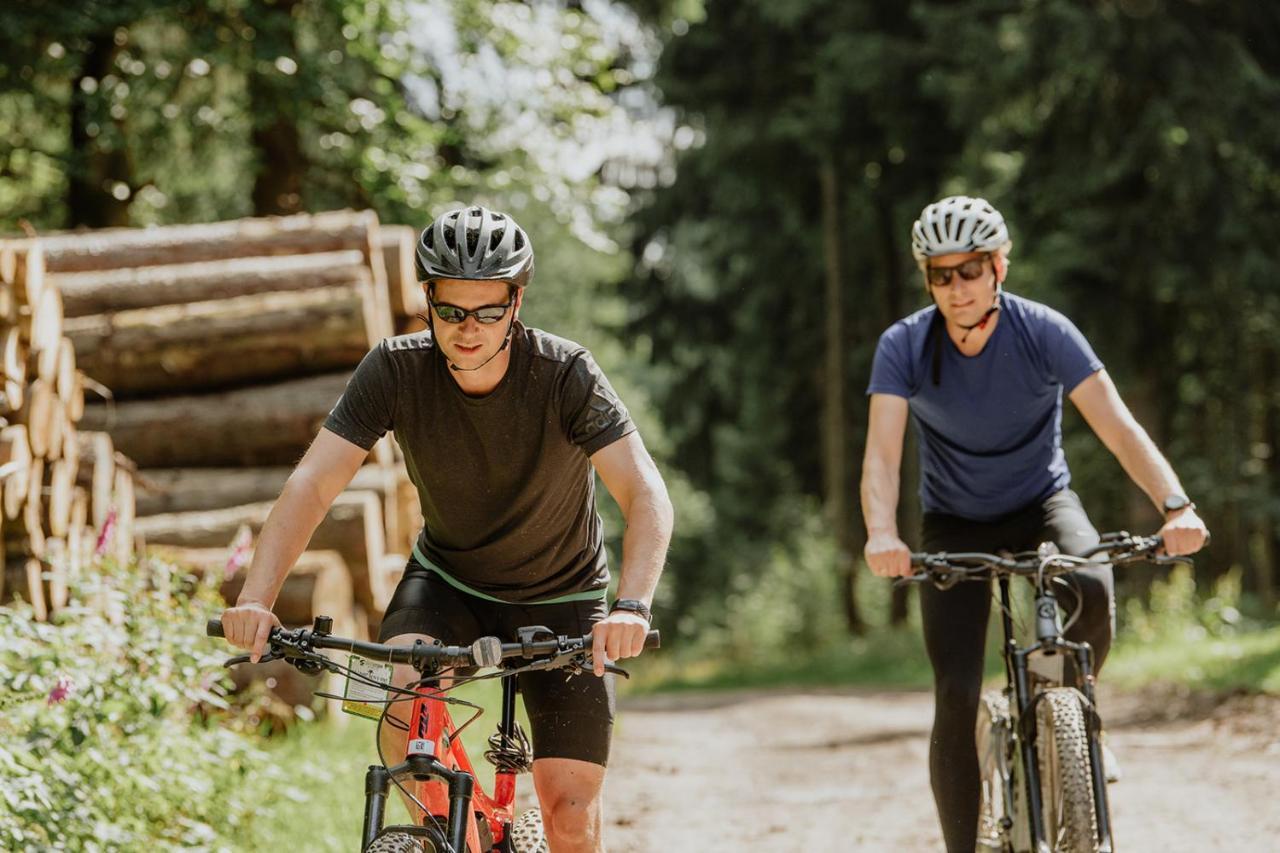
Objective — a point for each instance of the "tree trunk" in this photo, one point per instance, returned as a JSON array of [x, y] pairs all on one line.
[[264, 425], [398, 244], [38, 414], [104, 291], [225, 343], [353, 527], [281, 162], [97, 173], [97, 473], [216, 241], [834, 424], [15, 370], [15, 461], [170, 490]]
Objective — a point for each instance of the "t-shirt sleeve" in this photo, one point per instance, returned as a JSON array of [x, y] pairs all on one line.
[[1069, 357], [891, 367], [592, 413], [366, 410]]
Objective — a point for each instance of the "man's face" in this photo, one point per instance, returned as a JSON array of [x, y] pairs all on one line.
[[963, 301], [470, 343]]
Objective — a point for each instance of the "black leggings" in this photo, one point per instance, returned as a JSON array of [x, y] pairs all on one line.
[[955, 629]]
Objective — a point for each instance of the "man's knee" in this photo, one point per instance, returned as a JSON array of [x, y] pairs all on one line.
[[957, 696], [572, 817]]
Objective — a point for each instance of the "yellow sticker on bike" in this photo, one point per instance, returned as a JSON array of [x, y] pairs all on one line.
[[365, 699]]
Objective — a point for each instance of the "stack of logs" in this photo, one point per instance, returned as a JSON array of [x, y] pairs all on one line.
[[221, 349], [43, 456]]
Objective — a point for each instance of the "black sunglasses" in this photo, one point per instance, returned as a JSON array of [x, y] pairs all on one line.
[[485, 314], [969, 270]]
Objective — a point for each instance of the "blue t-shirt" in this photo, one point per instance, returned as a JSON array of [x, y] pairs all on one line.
[[991, 430]]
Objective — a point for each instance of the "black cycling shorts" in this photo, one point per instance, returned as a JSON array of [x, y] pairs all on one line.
[[569, 716]]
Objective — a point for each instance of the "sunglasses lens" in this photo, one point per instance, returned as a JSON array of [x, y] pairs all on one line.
[[490, 313], [970, 270], [939, 277], [450, 313]]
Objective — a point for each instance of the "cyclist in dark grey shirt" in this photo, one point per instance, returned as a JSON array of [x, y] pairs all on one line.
[[503, 428]]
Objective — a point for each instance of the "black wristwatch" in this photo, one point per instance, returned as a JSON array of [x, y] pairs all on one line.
[[632, 605], [1175, 502]]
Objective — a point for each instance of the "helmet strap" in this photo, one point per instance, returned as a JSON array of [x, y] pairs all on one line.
[[986, 316]]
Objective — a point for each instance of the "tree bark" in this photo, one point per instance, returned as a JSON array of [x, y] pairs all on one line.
[[353, 527], [170, 490], [15, 370], [263, 425], [834, 424], [226, 343], [398, 243], [104, 291], [96, 473], [38, 414], [95, 169], [111, 249]]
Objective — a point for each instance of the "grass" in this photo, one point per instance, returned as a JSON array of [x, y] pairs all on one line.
[[1246, 661]]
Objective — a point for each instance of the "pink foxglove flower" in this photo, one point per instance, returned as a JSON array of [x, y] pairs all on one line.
[[241, 551], [104, 537], [62, 690]]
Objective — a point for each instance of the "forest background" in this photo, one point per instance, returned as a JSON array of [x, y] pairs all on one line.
[[720, 194]]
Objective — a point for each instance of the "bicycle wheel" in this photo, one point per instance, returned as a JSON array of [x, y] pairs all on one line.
[[395, 842], [1066, 784], [994, 730], [527, 834]]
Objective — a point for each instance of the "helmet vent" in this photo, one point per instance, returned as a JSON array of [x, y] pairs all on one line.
[[519, 240]]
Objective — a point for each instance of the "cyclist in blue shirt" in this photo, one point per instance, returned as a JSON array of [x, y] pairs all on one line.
[[983, 373]]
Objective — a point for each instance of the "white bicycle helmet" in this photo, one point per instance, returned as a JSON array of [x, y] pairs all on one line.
[[957, 224], [476, 244]]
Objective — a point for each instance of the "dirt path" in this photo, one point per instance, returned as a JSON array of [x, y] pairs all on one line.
[[847, 771]]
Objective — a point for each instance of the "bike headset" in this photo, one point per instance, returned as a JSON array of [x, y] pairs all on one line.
[[958, 224], [474, 244]]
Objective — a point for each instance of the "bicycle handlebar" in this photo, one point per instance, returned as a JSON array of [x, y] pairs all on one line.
[[484, 652], [950, 567]]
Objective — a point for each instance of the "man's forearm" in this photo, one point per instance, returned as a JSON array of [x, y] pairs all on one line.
[[879, 498], [649, 519], [285, 535], [1144, 463]]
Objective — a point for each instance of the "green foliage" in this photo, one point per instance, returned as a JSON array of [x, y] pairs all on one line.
[[101, 741]]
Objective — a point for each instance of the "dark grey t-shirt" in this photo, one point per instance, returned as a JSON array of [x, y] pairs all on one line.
[[507, 489]]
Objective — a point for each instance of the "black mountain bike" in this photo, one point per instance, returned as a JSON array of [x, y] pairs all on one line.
[[453, 813], [1039, 749]]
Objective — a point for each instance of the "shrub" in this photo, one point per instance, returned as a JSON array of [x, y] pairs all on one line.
[[105, 739]]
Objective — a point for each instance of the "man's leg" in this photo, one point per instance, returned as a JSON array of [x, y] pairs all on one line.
[[1089, 594], [571, 794], [422, 608], [570, 724], [955, 625]]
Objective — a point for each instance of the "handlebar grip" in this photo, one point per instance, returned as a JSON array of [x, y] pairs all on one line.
[[653, 640], [213, 628]]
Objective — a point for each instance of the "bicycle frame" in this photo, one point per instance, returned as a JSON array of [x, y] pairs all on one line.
[[434, 759], [1019, 668]]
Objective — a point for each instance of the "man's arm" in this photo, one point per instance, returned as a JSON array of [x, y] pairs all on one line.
[[325, 470], [632, 478], [1108, 416], [887, 555]]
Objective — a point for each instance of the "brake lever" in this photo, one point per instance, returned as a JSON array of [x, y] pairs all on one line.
[[239, 659]]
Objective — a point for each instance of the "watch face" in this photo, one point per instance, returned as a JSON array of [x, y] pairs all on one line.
[[1174, 502]]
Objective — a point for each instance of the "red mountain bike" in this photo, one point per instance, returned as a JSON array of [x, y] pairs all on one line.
[[454, 814]]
